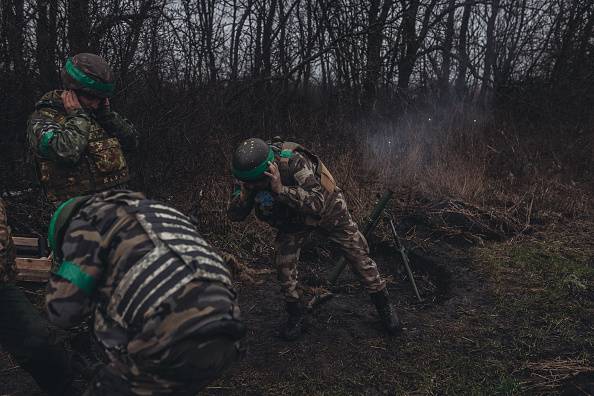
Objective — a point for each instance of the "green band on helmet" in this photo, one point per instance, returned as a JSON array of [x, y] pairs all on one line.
[[286, 153], [86, 80], [73, 273], [46, 138], [51, 234], [254, 173]]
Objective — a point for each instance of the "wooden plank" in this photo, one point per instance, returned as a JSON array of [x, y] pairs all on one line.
[[32, 269], [39, 264], [26, 277], [25, 241]]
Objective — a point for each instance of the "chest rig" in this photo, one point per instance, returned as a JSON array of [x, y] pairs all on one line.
[[101, 167], [180, 255]]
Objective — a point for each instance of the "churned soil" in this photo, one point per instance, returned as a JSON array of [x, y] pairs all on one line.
[[502, 313]]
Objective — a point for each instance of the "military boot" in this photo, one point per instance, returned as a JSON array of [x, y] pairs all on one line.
[[386, 311], [295, 321]]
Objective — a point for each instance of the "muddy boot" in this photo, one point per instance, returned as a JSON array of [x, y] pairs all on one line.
[[386, 311], [295, 321]]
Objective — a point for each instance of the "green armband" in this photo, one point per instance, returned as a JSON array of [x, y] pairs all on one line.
[[46, 138], [73, 273]]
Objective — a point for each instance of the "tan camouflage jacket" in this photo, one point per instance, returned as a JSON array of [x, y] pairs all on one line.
[[302, 203], [7, 264], [107, 246]]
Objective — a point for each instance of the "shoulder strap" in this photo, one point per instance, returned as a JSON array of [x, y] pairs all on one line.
[[287, 150]]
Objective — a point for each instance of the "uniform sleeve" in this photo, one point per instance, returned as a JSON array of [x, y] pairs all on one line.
[[62, 143], [121, 128], [241, 203], [7, 269], [308, 195], [72, 287]]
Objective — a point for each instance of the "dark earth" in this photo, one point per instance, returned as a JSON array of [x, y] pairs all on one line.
[[491, 322]]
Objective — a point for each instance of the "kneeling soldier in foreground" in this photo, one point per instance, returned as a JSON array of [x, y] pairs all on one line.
[[292, 190], [165, 311]]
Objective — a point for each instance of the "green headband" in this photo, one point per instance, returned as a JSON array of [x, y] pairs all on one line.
[[86, 80], [255, 173]]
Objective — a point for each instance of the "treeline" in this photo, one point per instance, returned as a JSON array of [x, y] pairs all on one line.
[[362, 55]]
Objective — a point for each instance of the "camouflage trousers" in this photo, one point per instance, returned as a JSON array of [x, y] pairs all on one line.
[[178, 353], [7, 265], [339, 227]]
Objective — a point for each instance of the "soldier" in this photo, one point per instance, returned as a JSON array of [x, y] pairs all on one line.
[[24, 333], [75, 137], [165, 312], [292, 190]]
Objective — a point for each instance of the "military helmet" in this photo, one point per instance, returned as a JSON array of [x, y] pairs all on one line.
[[88, 73], [250, 159]]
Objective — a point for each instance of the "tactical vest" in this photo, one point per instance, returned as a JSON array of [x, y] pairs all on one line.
[[284, 151], [102, 166], [180, 255]]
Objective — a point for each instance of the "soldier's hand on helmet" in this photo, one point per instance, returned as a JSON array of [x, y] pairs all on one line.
[[275, 178], [70, 101]]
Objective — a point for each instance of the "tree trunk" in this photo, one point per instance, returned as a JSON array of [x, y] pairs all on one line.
[[46, 44], [448, 42], [463, 51], [78, 26], [375, 37], [410, 46], [490, 55]]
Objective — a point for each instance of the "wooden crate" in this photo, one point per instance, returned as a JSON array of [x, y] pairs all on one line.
[[33, 269], [30, 264]]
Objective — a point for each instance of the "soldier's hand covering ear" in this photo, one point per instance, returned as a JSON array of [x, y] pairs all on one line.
[[70, 101], [275, 179]]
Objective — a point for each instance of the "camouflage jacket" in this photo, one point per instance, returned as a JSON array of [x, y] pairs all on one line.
[[302, 202], [60, 142], [7, 265], [132, 280]]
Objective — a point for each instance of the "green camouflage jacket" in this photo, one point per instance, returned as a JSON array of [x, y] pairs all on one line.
[[69, 137], [78, 153]]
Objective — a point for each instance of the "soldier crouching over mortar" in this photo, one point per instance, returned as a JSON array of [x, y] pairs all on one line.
[[165, 311], [77, 141], [292, 190]]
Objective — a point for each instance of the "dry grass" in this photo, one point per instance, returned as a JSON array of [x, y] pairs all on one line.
[[546, 376]]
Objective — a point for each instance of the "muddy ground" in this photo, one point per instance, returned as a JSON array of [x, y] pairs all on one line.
[[508, 316]]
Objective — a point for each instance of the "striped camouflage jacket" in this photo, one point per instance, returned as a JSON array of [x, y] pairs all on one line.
[[133, 261]]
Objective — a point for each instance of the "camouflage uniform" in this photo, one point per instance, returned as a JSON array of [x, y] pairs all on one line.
[[80, 152], [302, 206], [165, 311], [7, 265], [24, 333]]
